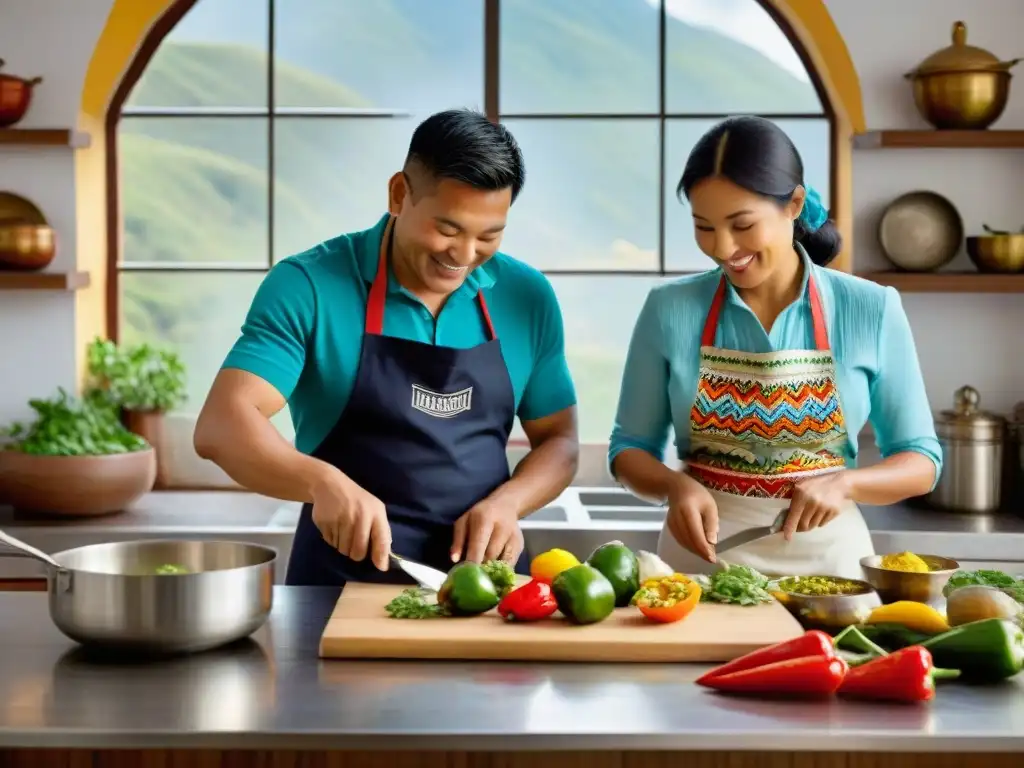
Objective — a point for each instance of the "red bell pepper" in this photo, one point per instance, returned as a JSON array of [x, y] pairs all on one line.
[[531, 602], [809, 676], [907, 675], [813, 643]]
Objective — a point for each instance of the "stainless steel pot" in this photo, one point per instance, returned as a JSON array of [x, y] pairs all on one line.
[[972, 445], [114, 595]]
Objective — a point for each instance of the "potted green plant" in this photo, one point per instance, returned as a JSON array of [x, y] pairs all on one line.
[[145, 383], [74, 458]]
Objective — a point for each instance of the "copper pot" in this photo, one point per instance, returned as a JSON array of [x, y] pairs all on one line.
[[961, 87], [15, 97], [997, 251], [26, 246]]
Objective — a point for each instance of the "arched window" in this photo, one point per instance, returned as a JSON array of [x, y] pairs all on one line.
[[261, 127]]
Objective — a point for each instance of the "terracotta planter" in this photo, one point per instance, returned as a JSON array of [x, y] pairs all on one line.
[[75, 485], [149, 425]]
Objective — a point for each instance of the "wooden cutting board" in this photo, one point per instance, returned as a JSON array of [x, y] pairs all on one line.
[[360, 628]]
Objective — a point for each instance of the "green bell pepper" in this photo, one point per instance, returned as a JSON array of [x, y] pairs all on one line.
[[986, 651]]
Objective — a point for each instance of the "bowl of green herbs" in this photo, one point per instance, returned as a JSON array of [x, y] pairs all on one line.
[[74, 458]]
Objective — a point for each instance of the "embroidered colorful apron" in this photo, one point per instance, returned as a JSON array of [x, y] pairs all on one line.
[[760, 423]]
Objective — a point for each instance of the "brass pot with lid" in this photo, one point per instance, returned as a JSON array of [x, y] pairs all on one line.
[[961, 87], [972, 456]]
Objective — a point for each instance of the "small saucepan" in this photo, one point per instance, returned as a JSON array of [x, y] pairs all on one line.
[[159, 595], [15, 97]]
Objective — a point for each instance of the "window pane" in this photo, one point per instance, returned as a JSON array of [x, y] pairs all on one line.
[[591, 195], [194, 189], [728, 56], [199, 315], [388, 54], [216, 56], [573, 56], [331, 176], [812, 139], [599, 313]]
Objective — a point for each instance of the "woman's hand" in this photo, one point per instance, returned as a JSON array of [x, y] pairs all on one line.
[[692, 517], [816, 501]]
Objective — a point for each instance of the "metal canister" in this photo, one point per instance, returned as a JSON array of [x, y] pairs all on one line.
[[972, 445], [1015, 461]]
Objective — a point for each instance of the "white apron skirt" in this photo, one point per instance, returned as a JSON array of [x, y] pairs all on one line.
[[834, 549]]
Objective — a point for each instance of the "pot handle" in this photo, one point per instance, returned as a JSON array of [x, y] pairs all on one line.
[[2, 62], [33, 82], [62, 576], [28, 549]]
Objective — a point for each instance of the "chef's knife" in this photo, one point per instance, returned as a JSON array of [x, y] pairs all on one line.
[[752, 534], [424, 575]]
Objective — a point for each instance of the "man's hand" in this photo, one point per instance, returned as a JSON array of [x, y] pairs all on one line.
[[816, 502], [351, 520], [488, 531]]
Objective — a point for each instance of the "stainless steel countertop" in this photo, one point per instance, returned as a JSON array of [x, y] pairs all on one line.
[[272, 692]]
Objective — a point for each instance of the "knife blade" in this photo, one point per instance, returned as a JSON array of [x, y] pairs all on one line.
[[424, 575], [752, 534]]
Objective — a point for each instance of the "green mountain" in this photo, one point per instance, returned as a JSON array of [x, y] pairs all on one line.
[[196, 189]]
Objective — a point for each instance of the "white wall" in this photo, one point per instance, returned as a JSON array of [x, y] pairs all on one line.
[[961, 339], [52, 39]]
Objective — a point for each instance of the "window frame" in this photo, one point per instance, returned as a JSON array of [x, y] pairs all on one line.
[[199, 475]]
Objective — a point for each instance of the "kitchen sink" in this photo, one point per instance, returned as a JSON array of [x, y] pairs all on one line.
[[627, 515], [551, 514], [611, 497]]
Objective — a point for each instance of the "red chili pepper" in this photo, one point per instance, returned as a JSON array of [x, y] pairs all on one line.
[[904, 675], [813, 643], [531, 602], [810, 676]]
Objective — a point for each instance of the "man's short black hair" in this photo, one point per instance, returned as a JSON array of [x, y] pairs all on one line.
[[463, 145]]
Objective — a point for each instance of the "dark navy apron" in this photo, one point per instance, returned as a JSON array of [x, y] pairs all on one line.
[[425, 430]]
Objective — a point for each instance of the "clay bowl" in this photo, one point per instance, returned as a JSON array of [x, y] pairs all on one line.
[[75, 486], [26, 246]]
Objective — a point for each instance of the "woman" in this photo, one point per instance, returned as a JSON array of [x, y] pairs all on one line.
[[767, 368]]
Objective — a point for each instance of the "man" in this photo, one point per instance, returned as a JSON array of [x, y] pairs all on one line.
[[405, 352]]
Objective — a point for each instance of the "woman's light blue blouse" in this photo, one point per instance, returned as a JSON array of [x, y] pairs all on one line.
[[877, 369]]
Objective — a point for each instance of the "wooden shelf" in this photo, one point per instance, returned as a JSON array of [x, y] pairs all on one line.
[[43, 281], [948, 282], [931, 139], [44, 137]]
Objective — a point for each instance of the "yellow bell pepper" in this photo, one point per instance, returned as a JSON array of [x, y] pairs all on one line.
[[907, 613]]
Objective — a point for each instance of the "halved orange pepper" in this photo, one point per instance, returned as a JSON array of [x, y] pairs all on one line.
[[667, 599]]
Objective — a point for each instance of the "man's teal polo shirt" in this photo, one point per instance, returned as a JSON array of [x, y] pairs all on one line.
[[303, 333]]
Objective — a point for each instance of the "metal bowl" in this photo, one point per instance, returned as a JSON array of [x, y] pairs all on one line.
[[26, 246], [920, 231], [997, 253], [831, 612], [902, 585]]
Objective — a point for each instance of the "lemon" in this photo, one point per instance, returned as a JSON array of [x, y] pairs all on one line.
[[547, 565]]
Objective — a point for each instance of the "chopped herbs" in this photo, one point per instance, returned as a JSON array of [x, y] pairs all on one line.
[[501, 574], [735, 584], [415, 603], [1013, 586]]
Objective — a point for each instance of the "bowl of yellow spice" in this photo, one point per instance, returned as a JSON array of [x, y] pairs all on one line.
[[908, 576]]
